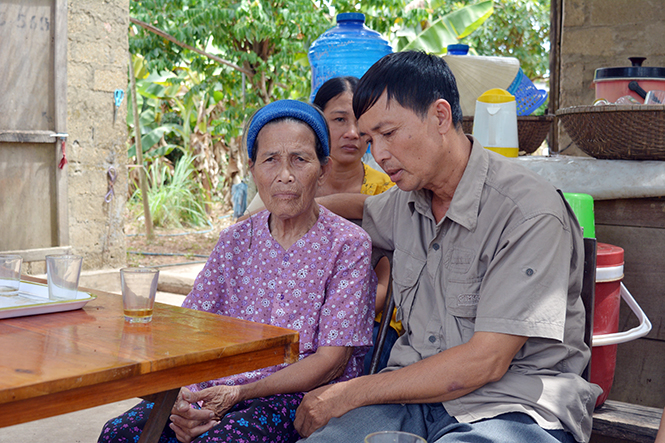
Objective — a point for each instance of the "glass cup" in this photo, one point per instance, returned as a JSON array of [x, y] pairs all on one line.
[[10, 274], [393, 437], [63, 272], [655, 97], [139, 287]]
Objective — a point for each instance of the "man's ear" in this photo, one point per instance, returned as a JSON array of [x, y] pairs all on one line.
[[444, 115]]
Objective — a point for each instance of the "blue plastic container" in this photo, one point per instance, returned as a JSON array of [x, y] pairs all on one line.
[[349, 48], [528, 97]]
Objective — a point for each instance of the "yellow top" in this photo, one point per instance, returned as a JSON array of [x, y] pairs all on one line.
[[375, 182], [496, 95]]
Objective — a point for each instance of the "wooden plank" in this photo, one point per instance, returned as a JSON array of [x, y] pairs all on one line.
[[49, 405], [60, 111], [627, 421], [26, 187], [30, 255], [26, 136], [68, 361], [556, 19], [638, 376], [26, 31], [159, 416], [637, 212]]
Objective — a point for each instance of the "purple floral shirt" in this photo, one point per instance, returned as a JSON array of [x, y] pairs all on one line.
[[323, 287]]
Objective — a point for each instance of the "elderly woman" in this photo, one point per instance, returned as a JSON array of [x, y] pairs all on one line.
[[295, 265], [348, 174]]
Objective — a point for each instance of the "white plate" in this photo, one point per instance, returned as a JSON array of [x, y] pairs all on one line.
[[32, 299]]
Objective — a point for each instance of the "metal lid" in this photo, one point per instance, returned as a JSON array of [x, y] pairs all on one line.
[[630, 72], [608, 255]]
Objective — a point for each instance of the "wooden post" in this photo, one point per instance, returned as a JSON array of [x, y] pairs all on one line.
[[556, 19], [139, 154], [60, 105]]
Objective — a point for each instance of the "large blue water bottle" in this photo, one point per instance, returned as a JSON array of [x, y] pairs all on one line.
[[349, 48]]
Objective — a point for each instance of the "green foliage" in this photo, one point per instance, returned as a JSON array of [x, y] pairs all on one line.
[[185, 97], [448, 29], [174, 197], [266, 39]]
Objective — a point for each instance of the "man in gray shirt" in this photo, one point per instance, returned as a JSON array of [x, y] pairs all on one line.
[[487, 267]]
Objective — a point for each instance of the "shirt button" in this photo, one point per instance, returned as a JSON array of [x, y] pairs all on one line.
[[432, 339], [529, 272], [436, 246]]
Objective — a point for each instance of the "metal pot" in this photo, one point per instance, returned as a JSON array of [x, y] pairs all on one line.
[[635, 80]]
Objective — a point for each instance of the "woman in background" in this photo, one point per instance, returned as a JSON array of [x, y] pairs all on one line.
[[348, 174]]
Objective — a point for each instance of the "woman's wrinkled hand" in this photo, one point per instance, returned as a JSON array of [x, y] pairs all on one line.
[[188, 422]]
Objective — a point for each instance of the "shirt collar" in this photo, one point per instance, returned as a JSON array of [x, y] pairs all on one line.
[[466, 201]]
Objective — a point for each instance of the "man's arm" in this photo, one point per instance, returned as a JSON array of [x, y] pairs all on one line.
[[446, 376], [349, 206]]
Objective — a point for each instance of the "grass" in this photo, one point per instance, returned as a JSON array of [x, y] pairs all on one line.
[[175, 198]]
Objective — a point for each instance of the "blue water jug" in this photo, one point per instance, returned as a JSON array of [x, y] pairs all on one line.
[[349, 48]]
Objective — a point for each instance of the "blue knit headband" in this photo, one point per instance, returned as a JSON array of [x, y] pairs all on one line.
[[288, 108]]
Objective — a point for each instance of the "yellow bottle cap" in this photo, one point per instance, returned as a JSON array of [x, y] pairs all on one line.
[[496, 95]]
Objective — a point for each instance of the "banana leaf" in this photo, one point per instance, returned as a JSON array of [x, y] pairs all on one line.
[[450, 28]]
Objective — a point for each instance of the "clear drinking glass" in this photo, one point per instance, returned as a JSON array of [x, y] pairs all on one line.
[[393, 437], [63, 272], [139, 287], [10, 274], [655, 97]]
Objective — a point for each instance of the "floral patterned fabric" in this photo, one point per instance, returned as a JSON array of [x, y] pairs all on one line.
[[267, 419], [323, 286]]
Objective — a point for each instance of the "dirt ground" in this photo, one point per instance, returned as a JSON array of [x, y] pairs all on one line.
[[176, 245]]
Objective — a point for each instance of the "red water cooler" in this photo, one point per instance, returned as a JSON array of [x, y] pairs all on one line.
[[609, 292]]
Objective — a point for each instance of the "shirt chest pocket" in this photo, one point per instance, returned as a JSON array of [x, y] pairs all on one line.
[[406, 273], [462, 283], [462, 298]]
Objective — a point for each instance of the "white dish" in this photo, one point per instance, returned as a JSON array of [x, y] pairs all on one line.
[[32, 299]]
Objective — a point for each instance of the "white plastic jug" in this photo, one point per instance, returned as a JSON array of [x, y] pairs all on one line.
[[495, 122]]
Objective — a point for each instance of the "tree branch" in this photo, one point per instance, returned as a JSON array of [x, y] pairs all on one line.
[[186, 46]]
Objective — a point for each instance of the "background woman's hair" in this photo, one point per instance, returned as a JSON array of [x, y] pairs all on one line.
[[334, 87]]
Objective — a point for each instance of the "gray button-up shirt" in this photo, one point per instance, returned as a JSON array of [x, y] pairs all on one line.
[[507, 257]]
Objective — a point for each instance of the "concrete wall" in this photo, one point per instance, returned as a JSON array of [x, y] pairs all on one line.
[[97, 53], [604, 33]]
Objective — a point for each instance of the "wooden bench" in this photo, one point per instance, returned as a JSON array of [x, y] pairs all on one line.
[[627, 421]]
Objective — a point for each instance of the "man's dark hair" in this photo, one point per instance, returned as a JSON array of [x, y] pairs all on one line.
[[334, 87], [412, 78]]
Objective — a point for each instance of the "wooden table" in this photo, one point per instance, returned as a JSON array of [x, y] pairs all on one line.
[[51, 364]]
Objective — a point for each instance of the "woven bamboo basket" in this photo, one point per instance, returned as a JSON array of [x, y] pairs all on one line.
[[531, 130], [616, 132]]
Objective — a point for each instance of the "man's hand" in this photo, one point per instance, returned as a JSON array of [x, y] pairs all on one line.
[[318, 407], [188, 423]]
